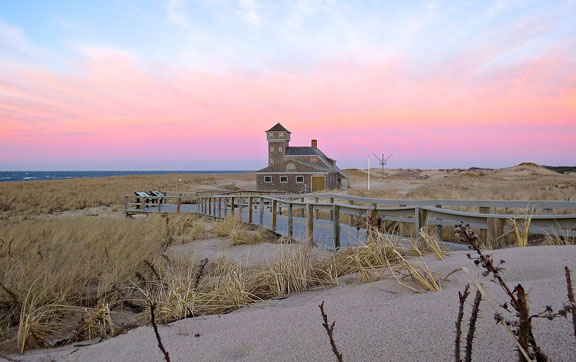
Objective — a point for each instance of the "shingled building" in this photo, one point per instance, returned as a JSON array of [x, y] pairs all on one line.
[[297, 169]]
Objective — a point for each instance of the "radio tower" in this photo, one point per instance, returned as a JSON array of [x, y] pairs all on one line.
[[383, 161]]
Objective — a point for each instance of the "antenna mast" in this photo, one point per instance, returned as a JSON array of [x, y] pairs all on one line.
[[383, 161]]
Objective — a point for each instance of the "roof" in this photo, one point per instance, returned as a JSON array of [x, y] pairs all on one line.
[[303, 151], [278, 127]]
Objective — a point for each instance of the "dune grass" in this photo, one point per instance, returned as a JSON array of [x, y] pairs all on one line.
[[55, 196], [66, 279]]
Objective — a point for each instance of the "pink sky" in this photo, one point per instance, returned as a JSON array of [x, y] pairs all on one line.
[[115, 109]]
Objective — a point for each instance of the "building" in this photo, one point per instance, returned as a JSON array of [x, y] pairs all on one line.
[[297, 169]]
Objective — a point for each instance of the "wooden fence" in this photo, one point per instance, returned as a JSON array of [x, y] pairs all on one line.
[[341, 211]]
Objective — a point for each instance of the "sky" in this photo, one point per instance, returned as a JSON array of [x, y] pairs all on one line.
[[194, 85]]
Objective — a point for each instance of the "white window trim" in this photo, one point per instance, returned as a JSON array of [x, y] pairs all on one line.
[[300, 177], [269, 178], [284, 177]]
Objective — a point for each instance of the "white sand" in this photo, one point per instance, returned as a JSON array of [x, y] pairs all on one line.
[[380, 321], [247, 255]]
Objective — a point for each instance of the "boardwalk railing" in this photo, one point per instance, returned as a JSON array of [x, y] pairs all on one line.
[[340, 216]]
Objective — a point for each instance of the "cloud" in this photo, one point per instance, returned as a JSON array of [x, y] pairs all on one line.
[[13, 41], [176, 12], [248, 12]]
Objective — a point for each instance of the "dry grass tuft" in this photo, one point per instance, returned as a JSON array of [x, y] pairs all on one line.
[[37, 322], [431, 243], [49, 267], [236, 231], [521, 230], [96, 322], [297, 269], [418, 271], [369, 260]]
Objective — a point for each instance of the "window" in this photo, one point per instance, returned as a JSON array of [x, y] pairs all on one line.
[[272, 149], [272, 161], [267, 179], [280, 149], [280, 134], [314, 159], [283, 179], [300, 179], [290, 166]]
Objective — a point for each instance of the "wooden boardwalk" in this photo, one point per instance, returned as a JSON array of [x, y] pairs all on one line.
[[334, 220], [323, 230]]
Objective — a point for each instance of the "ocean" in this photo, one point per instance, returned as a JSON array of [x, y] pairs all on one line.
[[61, 175]]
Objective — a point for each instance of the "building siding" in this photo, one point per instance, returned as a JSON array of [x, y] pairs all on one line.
[[307, 162]]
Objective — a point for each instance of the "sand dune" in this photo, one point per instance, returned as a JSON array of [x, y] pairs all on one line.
[[380, 321]]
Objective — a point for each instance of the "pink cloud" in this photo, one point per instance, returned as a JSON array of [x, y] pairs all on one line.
[[115, 105]]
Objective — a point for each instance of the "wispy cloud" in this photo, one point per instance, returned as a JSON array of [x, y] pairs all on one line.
[[248, 11], [176, 12], [13, 41]]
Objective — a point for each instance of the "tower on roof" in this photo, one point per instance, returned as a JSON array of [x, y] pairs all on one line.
[[278, 140]]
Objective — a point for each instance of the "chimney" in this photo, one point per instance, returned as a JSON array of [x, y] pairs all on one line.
[[314, 143]]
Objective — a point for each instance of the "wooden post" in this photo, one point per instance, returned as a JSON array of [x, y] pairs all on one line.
[[261, 201], [210, 205], [496, 232], [310, 223], [484, 233], [240, 208], [290, 220], [232, 206], [419, 220], [336, 225], [302, 210], [250, 210], [548, 212], [178, 203], [351, 216], [316, 200], [332, 211], [225, 206], [126, 205], [402, 226], [143, 204], [220, 207], [159, 205], [274, 206], [439, 227], [214, 206]]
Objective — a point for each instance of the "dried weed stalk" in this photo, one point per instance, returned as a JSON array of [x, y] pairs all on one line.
[[462, 296], [160, 344], [520, 325], [330, 331], [571, 298]]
